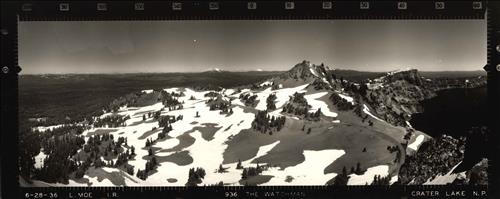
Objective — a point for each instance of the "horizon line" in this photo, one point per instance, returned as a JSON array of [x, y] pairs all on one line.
[[230, 71]]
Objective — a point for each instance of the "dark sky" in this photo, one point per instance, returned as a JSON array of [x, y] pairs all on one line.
[[192, 46]]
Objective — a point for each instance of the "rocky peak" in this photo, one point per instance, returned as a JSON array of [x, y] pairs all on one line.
[[307, 71], [410, 75]]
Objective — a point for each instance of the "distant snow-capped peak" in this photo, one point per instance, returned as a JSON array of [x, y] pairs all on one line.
[[218, 70]]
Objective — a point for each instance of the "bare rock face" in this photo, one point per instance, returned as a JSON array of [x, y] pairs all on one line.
[[411, 76], [398, 95], [307, 71]]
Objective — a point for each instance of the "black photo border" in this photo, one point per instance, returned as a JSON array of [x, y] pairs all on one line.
[[14, 11]]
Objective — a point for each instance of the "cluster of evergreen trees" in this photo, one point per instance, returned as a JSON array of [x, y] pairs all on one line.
[[358, 170], [62, 159], [227, 110], [166, 121], [211, 94], [142, 98], [358, 110], [195, 176], [343, 178], [297, 105], [150, 166], [49, 139], [164, 132], [299, 99], [378, 180], [271, 105], [130, 98], [341, 103], [219, 104], [302, 111], [155, 115], [319, 84], [111, 121], [264, 123], [57, 166], [392, 148], [170, 100], [251, 171], [29, 146], [149, 142], [248, 99]]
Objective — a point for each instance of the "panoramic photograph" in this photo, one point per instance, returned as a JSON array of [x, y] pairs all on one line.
[[252, 103]]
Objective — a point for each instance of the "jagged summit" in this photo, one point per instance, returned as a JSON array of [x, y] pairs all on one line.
[[307, 71], [304, 73]]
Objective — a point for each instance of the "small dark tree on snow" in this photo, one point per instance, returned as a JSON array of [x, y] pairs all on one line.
[[148, 143], [154, 162], [341, 179], [197, 114], [221, 169], [244, 174], [195, 176], [143, 117], [309, 130], [238, 166], [150, 152], [132, 150], [358, 169], [364, 149]]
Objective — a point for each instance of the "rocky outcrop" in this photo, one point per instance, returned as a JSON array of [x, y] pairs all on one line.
[[397, 95], [308, 73]]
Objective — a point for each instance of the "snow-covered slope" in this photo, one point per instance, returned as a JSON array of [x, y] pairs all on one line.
[[200, 138]]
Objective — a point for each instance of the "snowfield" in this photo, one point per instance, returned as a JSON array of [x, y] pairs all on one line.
[[367, 111], [233, 175], [446, 178], [44, 128], [418, 141], [282, 96], [210, 132], [266, 83], [309, 172], [367, 177], [348, 98], [316, 104], [39, 159]]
